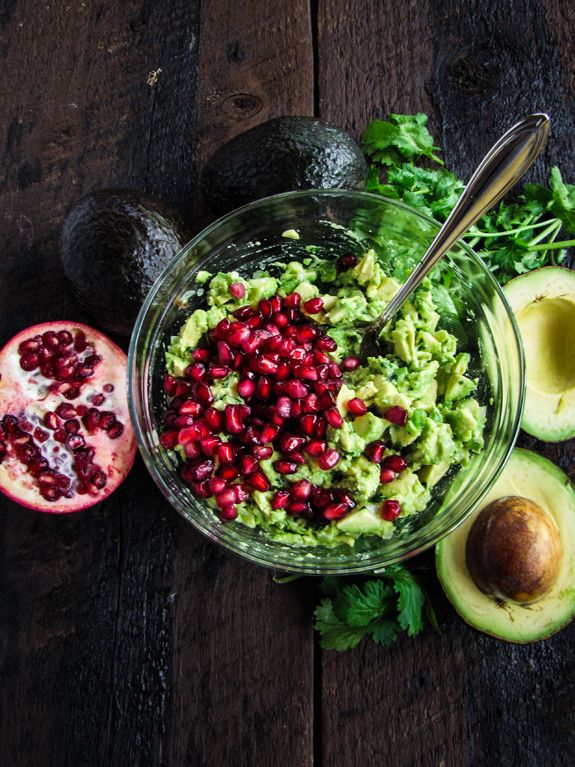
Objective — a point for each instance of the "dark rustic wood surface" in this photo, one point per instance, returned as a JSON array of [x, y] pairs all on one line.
[[125, 638]]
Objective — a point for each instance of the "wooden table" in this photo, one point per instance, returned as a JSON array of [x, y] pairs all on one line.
[[126, 639]]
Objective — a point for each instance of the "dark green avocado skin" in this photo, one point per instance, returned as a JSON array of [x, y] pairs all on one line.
[[113, 245], [281, 155]]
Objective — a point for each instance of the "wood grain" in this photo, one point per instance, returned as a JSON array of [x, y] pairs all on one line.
[[242, 678], [458, 699]]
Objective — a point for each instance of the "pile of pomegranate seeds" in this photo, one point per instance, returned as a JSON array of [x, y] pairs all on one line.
[[289, 386]]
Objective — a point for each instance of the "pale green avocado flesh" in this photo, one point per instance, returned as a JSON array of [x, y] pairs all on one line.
[[420, 370], [526, 475], [543, 302]]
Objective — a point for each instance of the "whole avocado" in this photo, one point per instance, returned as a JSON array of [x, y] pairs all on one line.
[[281, 155], [113, 245]]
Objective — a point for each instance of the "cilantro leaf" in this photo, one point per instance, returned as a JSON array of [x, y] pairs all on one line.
[[380, 608], [410, 599], [385, 632], [399, 137], [335, 634], [563, 199]]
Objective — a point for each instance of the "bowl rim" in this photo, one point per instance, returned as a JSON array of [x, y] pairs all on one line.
[[133, 377]]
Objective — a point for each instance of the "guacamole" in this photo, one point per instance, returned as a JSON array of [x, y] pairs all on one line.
[[278, 426]]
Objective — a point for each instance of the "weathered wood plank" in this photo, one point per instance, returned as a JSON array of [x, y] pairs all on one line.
[[242, 676], [460, 698], [84, 618]]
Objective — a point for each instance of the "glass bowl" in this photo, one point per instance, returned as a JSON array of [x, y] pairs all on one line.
[[340, 222]]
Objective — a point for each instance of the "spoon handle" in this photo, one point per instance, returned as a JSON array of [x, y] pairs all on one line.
[[503, 165]]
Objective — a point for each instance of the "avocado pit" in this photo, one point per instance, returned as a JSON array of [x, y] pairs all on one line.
[[513, 551]]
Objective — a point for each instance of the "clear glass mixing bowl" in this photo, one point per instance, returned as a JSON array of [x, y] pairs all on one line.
[[339, 222]]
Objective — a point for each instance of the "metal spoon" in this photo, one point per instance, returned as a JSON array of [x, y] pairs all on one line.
[[504, 164]]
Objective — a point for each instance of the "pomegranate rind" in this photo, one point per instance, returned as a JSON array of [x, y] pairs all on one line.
[[26, 394]]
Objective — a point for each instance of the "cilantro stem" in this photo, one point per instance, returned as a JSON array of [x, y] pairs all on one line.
[[552, 229], [484, 235], [553, 245]]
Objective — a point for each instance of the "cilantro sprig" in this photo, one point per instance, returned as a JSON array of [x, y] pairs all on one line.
[[380, 608], [533, 231]]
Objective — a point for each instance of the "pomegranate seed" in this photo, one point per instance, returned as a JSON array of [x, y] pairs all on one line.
[[350, 363], [222, 329], [280, 499], [246, 388], [116, 431], [394, 462], [335, 511], [225, 497], [40, 434], [238, 334], [179, 422], [213, 418], [322, 498], [301, 489], [293, 300], [310, 403], [326, 344], [225, 452], [106, 420], [224, 353], [297, 457], [281, 320], [51, 420], [396, 415], [296, 389], [248, 464], [315, 447], [265, 364], [72, 426], [203, 469], [216, 485], [244, 313], [29, 362], [258, 481], [375, 451], [313, 306], [268, 433], [307, 424], [272, 344], [306, 333], [237, 290], [29, 345], [328, 459], [183, 389], [190, 407], [348, 261], [261, 452], [203, 392], [218, 371], [333, 417], [209, 444], [241, 493], [233, 419], [201, 355], [228, 513], [50, 339], [326, 400], [289, 442], [64, 410], [285, 467], [319, 428], [321, 358], [228, 473], [263, 388], [307, 373], [193, 433], [74, 441], [284, 407], [276, 303], [387, 475], [98, 399], [298, 508], [390, 510], [197, 371], [192, 450], [344, 497], [334, 370], [356, 406]]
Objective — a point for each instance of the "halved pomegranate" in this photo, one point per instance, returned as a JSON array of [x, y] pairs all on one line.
[[66, 441]]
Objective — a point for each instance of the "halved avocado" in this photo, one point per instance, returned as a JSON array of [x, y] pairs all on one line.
[[543, 302], [530, 476]]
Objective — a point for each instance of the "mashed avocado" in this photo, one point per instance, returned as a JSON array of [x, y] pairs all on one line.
[[417, 399]]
